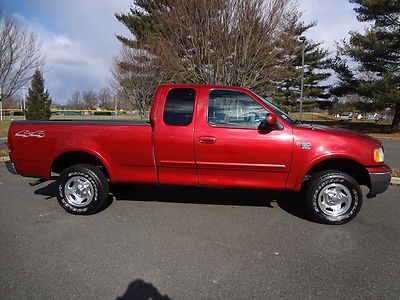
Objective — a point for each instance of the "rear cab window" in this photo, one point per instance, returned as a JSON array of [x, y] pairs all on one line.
[[179, 106]]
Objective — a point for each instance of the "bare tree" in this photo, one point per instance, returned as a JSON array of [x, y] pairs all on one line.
[[19, 56], [234, 42], [136, 76], [105, 99], [89, 99], [75, 101], [245, 43], [12, 102]]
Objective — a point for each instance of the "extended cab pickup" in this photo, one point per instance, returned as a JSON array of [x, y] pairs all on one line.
[[206, 136]]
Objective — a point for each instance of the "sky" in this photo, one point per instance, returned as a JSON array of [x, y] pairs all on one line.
[[78, 36]]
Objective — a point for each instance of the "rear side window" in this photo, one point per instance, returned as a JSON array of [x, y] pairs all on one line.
[[179, 107]]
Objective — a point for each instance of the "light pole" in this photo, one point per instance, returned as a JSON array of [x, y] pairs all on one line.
[[115, 105], [303, 40], [1, 104], [23, 97]]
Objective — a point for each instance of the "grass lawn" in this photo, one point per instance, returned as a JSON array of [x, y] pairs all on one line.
[[4, 128], [309, 116], [378, 130]]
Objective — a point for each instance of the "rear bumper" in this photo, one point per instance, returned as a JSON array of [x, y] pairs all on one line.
[[379, 180], [11, 167]]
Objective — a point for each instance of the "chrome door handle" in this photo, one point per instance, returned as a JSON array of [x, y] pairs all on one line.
[[207, 140]]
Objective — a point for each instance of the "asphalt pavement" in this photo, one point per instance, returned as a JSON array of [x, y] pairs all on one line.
[[392, 152], [182, 243]]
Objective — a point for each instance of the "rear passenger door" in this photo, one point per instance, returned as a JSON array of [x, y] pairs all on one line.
[[173, 137]]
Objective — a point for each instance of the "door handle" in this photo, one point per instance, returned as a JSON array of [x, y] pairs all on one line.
[[207, 140]]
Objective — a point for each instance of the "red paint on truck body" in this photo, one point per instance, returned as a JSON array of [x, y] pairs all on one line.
[[198, 154]]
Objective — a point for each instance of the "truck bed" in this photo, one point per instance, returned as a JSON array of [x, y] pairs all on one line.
[[124, 147]]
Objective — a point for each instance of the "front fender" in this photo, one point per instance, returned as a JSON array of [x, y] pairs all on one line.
[[317, 160]]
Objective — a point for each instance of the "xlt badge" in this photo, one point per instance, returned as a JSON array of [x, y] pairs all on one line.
[[304, 145]]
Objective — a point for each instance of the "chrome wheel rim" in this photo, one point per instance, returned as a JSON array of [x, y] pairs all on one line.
[[334, 199], [79, 191]]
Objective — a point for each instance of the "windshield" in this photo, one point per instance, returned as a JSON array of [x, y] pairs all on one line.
[[278, 111]]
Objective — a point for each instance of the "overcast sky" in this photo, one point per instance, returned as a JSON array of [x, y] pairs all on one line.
[[78, 36]]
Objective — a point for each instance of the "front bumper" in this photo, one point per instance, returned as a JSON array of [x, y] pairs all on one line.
[[379, 181], [11, 167]]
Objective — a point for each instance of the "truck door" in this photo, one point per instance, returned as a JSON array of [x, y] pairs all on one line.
[[173, 137], [230, 150]]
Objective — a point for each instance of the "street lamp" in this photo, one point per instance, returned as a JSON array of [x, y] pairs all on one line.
[[1, 104], [23, 97], [303, 40]]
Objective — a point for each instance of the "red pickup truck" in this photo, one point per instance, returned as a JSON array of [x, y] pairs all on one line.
[[206, 136]]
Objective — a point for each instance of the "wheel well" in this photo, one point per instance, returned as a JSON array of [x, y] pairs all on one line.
[[72, 158], [348, 166]]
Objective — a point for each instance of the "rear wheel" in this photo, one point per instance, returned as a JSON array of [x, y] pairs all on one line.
[[82, 189], [333, 197]]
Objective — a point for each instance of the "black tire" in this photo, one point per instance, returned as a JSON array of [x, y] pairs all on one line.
[[94, 195], [319, 207]]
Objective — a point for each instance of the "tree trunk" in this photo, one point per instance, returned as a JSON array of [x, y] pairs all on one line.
[[396, 118]]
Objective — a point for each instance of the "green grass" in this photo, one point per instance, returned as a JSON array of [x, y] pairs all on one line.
[[309, 116], [375, 129], [4, 128]]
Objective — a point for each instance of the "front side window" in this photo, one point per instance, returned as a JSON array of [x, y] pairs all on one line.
[[179, 107], [227, 108]]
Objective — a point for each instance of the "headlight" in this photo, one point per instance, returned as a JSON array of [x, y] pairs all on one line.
[[378, 155]]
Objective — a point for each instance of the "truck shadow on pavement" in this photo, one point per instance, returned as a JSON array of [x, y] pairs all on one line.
[[140, 290], [290, 202]]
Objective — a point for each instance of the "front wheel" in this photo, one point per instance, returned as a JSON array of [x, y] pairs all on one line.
[[82, 189], [333, 197]]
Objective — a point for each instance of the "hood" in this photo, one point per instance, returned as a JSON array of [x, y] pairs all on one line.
[[346, 133]]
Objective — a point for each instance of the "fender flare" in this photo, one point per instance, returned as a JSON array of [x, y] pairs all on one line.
[[88, 151], [317, 160]]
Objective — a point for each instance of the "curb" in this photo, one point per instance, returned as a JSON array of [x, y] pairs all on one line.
[[395, 181]]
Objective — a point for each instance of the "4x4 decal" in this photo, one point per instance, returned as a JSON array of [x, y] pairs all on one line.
[[27, 133]]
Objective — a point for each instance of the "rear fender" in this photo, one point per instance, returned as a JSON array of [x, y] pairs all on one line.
[[89, 151]]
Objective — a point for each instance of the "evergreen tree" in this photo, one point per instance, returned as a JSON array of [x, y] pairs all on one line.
[[316, 65], [140, 21], [376, 52], [38, 100]]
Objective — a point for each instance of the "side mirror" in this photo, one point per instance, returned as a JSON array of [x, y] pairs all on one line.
[[269, 123]]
